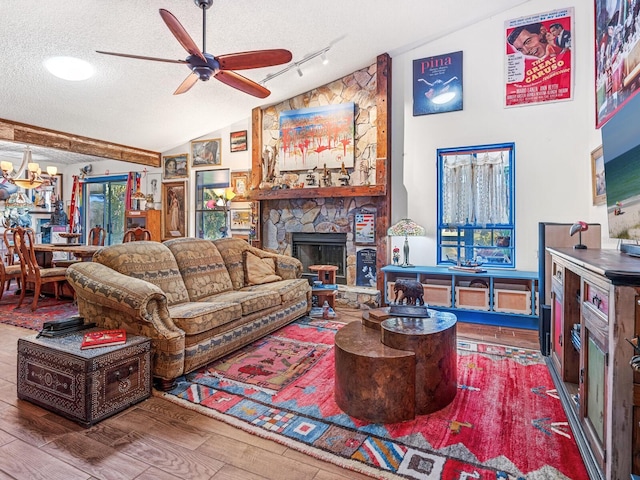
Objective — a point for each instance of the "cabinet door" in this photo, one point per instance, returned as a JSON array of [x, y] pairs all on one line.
[[557, 337], [593, 384]]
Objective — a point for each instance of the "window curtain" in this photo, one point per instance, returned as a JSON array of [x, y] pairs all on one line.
[[133, 185], [475, 189]]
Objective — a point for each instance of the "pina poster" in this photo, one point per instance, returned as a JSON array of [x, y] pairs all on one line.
[[538, 63]]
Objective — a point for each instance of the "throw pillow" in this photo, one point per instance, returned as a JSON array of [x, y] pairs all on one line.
[[259, 270]]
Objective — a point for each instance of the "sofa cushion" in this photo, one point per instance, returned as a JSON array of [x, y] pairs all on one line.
[[288, 290], [150, 261], [251, 302], [259, 270], [198, 317], [201, 265]]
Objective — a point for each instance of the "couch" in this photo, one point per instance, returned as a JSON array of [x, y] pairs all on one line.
[[196, 299]]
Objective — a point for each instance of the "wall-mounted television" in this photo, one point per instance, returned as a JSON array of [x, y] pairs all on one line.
[[621, 152]]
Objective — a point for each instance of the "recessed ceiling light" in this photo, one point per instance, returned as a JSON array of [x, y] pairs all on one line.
[[69, 68]]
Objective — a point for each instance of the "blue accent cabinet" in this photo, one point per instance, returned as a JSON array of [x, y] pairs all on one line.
[[507, 298]]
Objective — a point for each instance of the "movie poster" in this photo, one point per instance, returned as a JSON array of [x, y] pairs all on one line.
[[437, 84], [538, 64], [617, 47], [366, 267]]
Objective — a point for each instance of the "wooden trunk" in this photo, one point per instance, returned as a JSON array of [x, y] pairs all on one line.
[[83, 385]]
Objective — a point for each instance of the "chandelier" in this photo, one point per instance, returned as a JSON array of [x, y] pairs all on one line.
[[33, 178]]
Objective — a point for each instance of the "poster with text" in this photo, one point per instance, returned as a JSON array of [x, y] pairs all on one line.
[[437, 84], [366, 267], [538, 66], [617, 48]]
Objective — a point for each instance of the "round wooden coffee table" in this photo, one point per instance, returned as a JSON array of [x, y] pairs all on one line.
[[433, 341]]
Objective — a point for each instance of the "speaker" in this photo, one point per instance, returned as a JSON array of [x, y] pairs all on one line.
[[544, 332]]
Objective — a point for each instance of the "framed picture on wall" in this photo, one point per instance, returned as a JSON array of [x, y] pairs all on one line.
[[238, 141], [175, 166], [365, 228], [206, 153], [240, 185], [240, 218], [598, 185], [174, 210]]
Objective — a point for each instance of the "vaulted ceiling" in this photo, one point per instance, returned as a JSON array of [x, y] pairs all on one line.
[[131, 102]]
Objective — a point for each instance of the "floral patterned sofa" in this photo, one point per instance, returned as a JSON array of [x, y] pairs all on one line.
[[196, 299]]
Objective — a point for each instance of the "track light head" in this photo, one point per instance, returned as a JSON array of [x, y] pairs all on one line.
[[299, 71]]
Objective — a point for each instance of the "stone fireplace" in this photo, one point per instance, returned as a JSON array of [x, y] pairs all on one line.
[[309, 220]]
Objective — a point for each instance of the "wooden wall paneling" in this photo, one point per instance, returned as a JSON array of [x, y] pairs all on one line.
[[383, 163]]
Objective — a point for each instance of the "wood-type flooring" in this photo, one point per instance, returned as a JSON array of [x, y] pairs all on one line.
[[158, 440]]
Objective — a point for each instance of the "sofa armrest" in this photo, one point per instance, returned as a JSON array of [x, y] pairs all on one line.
[[137, 299]]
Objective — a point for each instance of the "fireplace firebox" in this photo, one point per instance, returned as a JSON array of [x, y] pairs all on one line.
[[321, 249]]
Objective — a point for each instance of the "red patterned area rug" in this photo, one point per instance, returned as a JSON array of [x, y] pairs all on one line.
[[48, 309], [506, 421]]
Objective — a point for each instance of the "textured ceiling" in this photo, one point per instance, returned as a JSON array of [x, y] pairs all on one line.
[[130, 102]]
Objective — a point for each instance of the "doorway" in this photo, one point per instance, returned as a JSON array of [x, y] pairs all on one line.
[[104, 206]]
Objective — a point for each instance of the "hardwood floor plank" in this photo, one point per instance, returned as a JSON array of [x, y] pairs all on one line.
[[153, 473], [25, 462], [258, 461], [170, 458], [164, 427], [229, 472], [329, 470], [94, 458], [32, 429]]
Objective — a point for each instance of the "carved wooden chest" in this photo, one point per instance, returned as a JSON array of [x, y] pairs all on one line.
[[83, 385]]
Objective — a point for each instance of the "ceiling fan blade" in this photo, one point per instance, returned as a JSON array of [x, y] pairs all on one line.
[[181, 34], [188, 82], [243, 84], [155, 59], [254, 59]]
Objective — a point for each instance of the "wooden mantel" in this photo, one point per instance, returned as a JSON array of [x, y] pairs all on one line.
[[31, 135]]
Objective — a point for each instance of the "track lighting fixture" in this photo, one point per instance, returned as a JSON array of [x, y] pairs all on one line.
[[322, 53]]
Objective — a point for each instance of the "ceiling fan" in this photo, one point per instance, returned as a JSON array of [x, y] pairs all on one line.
[[203, 65]]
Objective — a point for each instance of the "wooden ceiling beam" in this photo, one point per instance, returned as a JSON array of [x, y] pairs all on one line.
[[43, 137]]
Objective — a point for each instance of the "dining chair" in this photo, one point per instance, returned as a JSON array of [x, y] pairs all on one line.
[[97, 235], [10, 256], [8, 273], [32, 273], [136, 234]]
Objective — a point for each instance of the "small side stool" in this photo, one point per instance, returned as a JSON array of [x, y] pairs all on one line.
[[326, 273]]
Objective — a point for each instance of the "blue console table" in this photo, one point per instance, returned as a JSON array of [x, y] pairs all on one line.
[[506, 298]]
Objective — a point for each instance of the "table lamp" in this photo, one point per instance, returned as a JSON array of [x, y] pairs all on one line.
[[406, 228]]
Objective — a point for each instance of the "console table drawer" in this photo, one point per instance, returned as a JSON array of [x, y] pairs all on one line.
[[596, 298]]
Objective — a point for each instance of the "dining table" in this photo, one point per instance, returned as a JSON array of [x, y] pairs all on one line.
[[44, 251]]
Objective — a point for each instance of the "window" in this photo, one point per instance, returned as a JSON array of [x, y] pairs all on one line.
[[475, 205], [212, 209]]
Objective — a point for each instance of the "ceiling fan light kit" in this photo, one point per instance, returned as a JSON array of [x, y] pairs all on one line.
[[203, 65]]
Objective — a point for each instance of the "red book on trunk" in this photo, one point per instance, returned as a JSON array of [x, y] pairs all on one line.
[[103, 338]]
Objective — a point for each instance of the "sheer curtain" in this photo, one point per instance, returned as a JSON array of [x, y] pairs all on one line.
[[475, 189]]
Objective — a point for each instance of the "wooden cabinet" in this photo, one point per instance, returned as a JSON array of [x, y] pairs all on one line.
[[149, 219], [494, 297], [594, 308]]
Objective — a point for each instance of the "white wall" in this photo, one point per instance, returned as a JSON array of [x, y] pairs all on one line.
[[552, 141]]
